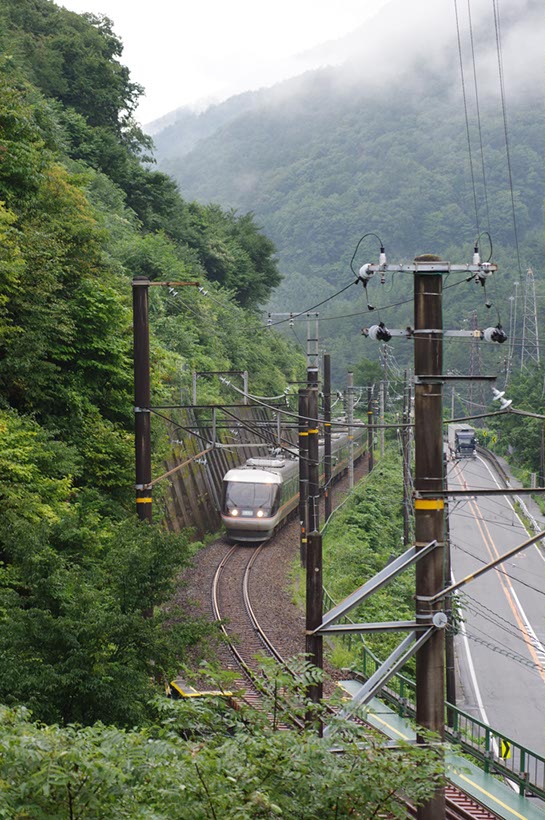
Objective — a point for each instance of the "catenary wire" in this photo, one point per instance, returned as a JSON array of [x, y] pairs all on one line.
[[307, 310], [466, 116], [497, 26], [478, 112]]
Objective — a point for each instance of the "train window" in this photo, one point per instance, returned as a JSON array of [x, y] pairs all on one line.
[[248, 499]]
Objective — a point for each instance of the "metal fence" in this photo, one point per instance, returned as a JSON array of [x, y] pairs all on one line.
[[496, 753]]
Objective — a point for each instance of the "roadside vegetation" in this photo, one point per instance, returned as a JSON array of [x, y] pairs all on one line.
[[362, 537]]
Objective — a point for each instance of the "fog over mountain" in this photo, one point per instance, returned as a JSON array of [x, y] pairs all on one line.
[[401, 42], [380, 143]]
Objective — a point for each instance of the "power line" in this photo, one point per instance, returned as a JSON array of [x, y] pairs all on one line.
[[497, 26], [478, 112], [466, 116], [505, 652], [498, 569], [307, 310]]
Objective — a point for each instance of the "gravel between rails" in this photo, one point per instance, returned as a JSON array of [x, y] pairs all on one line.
[[271, 589]]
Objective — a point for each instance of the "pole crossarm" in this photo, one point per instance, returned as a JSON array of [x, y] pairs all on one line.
[[145, 283], [422, 494], [386, 670], [483, 268], [442, 379], [449, 590], [383, 577], [383, 626]]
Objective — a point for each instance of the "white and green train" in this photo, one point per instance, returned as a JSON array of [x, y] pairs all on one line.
[[259, 496]]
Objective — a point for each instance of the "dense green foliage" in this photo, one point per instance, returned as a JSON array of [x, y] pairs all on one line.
[[520, 438], [365, 534], [204, 761], [80, 214]]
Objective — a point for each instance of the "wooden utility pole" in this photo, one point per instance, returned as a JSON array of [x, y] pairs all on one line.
[[313, 452], [327, 435], [406, 445], [142, 397], [314, 597], [429, 512], [303, 473], [350, 422], [370, 427], [382, 409], [450, 669]]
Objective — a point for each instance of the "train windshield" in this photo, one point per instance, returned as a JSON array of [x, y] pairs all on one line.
[[243, 498]]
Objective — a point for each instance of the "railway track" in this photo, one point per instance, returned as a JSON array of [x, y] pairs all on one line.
[[244, 635], [247, 638]]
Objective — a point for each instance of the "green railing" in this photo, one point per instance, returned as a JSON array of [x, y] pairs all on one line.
[[495, 752]]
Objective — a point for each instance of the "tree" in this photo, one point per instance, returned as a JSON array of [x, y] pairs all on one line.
[[74, 643], [203, 761]]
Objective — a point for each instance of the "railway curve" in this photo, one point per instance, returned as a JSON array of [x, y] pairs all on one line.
[[260, 618]]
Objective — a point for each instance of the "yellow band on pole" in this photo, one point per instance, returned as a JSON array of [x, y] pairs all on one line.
[[143, 500], [313, 431], [429, 504], [303, 434]]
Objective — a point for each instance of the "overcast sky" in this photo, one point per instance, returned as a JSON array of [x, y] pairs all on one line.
[[185, 52]]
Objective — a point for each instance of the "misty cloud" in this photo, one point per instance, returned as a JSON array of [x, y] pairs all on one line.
[[408, 41]]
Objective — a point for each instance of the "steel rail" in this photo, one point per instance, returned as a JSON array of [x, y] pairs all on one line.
[[255, 680]]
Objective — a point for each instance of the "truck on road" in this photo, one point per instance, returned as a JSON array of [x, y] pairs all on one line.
[[462, 441]]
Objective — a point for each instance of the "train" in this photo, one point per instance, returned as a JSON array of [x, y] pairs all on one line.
[[259, 496]]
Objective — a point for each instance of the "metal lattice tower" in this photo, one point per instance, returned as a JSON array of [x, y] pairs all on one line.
[[529, 353], [476, 391], [513, 304]]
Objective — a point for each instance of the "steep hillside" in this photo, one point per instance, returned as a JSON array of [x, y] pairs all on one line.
[[79, 216]]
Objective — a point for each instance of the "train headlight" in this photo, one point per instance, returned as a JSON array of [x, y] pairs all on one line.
[[234, 512], [260, 513]]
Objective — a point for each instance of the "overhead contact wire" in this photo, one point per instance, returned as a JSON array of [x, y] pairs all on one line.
[[466, 115]]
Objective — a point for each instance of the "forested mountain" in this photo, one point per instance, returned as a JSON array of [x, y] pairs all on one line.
[[380, 144], [79, 216]]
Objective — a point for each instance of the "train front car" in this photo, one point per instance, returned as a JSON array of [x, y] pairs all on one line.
[[254, 498]]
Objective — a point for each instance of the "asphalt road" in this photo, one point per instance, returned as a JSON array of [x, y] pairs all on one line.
[[501, 656]]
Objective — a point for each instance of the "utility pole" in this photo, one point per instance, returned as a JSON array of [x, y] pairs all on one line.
[[142, 397], [370, 461], [382, 406], [350, 422], [542, 457], [314, 610], [303, 473], [327, 435], [245, 387], [314, 602], [449, 636], [406, 444], [313, 451], [429, 512]]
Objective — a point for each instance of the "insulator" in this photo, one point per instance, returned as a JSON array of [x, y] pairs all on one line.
[[495, 334], [379, 333], [365, 274]]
